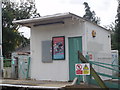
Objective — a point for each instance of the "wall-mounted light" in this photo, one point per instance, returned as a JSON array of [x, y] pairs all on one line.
[[93, 33]]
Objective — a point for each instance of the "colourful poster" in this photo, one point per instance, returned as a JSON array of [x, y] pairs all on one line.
[[58, 48]]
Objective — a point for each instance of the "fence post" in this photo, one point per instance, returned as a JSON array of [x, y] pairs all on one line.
[[1, 67], [88, 77], [28, 68]]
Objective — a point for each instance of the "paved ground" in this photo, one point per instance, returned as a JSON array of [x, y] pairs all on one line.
[[41, 84], [33, 83]]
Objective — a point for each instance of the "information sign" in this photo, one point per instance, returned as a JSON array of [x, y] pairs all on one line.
[[82, 69]]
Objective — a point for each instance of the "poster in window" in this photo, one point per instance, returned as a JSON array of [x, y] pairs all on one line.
[[58, 48]]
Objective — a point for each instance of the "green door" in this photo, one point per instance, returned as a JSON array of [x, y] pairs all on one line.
[[75, 44]]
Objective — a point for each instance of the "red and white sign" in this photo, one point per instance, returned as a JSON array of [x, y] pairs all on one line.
[[90, 56], [78, 69], [82, 69]]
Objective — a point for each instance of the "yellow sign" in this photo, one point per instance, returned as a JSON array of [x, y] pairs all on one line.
[[86, 69]]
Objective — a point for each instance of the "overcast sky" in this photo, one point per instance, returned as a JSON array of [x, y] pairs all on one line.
[[105, 9]]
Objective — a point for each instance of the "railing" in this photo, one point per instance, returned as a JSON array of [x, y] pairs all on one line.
[[115, 80], [97, 75], [102, 65], [7, 69], [93, 72], [7, 62]]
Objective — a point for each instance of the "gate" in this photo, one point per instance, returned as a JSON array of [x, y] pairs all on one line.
[[110, 81], [21, 67], [17, 68]]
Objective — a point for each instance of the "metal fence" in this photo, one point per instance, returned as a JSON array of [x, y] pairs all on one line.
[[16, 68], [107, 67], [98, 70]]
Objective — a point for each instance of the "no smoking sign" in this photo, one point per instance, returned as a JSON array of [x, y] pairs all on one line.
[[82, 69]]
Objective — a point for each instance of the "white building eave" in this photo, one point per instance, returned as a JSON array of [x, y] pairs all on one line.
[[26, 22], [43, 19], [50, 18]]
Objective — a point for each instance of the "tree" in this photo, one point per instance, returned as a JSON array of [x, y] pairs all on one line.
[[116, 33], [90, 15], [15, 11], [112, 27], [117, 29]]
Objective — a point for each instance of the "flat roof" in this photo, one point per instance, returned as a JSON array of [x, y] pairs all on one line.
[[55, 18], [50, 18]]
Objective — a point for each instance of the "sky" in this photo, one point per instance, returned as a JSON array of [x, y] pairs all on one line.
[[105, 9]]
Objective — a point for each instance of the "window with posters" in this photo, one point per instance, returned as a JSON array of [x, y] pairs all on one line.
[[58, 48]]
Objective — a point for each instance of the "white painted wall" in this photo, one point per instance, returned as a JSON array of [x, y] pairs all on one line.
[[101, 43], [99, 47], [59, 69]]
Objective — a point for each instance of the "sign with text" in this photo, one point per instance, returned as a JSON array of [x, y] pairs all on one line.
[[82, 69]]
